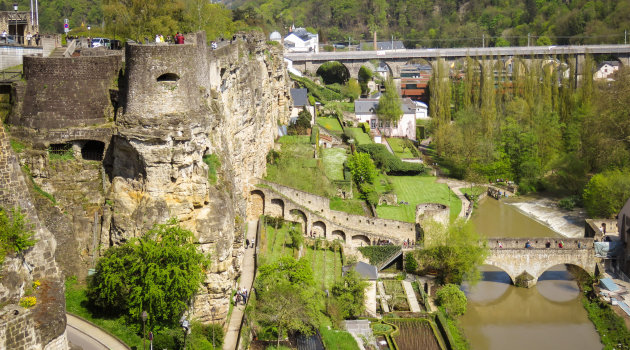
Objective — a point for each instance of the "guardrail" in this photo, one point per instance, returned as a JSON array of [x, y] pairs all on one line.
[[10, 76]]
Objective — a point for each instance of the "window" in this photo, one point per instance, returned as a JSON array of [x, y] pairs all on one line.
[[387, 124], [168, 77], [395, 124], [380, 123]]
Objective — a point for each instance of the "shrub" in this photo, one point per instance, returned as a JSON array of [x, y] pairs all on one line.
[[16, 233], [212, 161], [377, 254], [314, 134], [27, 302], [570, 202], [366, 127], [411, 265], [452, 299]]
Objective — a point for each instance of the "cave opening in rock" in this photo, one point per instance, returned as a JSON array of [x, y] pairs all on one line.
[[93, 150]]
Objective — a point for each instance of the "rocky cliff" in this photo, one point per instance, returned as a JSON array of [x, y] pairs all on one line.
[[43, 325], [190, 113]]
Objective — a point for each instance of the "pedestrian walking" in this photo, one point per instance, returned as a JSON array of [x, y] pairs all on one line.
[[253, 243], [246, 243]]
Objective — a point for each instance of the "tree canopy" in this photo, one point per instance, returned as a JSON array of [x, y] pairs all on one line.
[[389, 105], [606, 193], [158, 272], [452, 299]]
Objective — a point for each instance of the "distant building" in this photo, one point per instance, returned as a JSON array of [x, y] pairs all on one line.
[[300, 103], [301, 40], [606, 69], [623, 227], [20, 23], [382, 71], [384, 45], [365, 270], [365, 110], [414, 79], [275, 36]]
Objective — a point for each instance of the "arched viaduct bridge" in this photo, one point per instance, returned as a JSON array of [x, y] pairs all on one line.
[[315, 215], [511, 256], [396, 59]]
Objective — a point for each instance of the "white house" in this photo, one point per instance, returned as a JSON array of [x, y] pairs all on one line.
[[365, 110], [606, 69], [422, 110], [300, 40]]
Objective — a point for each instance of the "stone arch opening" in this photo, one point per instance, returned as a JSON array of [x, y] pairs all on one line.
[[333, 72], [493, 272], [276, 208], [256, 205], [338, 234], [562, 272], [318, 229], [93, 150], [168, 77], [360, 240], [299, 216]]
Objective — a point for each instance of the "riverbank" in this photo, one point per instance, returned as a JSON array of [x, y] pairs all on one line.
[[569, 224]]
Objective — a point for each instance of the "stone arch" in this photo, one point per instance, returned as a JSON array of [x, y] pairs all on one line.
[[502, 268], [345, 75], [92, 150], [360, 240], [276, 208], [380, 66], [168, 77], [256, 205], [319, 229], [338, 234], [569, 266], [298, 216]]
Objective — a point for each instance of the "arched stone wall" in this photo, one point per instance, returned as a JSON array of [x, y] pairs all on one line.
[[360, 241], [297, 215], [255, 205], [338, 234], [276, 208], [319, 229]]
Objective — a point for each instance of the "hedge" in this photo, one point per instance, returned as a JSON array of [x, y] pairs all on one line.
[[377, 254], [366, 127], [318, 92], [314, 134], [388, 162]]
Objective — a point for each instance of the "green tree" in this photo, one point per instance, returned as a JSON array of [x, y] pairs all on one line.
[[158, 272], [362, 168], [454, 252], [333, 72], [543, 40], [606, 193], [352, 90], [350, 294], [296, 237], [365, 75], [411, 265], [389, 105], [452, 299]]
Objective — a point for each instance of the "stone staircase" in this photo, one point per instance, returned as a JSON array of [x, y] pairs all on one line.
[[57, 52]]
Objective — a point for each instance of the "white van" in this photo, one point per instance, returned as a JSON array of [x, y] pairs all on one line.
[[98, 42]]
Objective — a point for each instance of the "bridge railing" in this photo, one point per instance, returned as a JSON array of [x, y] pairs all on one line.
[[7, 76], [539, 243]]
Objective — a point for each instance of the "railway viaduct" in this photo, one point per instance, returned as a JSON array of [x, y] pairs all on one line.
[[396, 59]]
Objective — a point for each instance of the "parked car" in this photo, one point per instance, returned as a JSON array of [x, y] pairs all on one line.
[[98, 42]]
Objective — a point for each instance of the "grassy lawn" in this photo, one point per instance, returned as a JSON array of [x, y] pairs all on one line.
[[416, 190], [339, 340], [359, 136], [399, 148], [345, 106], [351, 206], [475, 191], [331, 124], [296, 167], [276, 243], [333, 162], [76, 302]]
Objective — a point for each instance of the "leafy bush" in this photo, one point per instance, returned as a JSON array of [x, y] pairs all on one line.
[[16, 233], [411, 265], [606, 193], [314, 134], [452, 299], [17, 146], [366, 127], [377, 254], [570, 202], [333, 72], [388, 162], [320, 93]]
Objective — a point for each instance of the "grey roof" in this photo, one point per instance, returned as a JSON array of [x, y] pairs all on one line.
[[300, 97], [303, 34], [408, 106], [612, 63], [365, 105], [365, 270], [387, 45]]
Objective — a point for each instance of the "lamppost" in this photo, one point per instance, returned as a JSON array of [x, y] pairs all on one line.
[[145, 316], [15, 8], [213, 310]]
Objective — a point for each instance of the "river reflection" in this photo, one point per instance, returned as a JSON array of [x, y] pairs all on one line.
[[501, 316]]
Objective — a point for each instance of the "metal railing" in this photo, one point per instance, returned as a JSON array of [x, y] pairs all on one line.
[[20, 40], [10, 76]]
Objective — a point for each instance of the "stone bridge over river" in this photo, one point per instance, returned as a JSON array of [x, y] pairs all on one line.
[[315, 215], [513, 258]]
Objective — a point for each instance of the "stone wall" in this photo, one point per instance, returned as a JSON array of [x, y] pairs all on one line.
[[539, 242], [433, 211], [44, 324], [66, 92]]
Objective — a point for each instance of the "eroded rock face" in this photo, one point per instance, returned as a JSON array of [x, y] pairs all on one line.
[[43, 325], [183, 104]]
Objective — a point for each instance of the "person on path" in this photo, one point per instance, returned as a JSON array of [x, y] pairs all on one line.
[[500, 244], [29, 37], [246, 243], [253, 243], [561, 244], [528, 245]]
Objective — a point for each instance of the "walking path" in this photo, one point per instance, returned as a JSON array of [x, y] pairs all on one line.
[[411, 297], [370, 299], [89, 336], [381, 292], [246, 281], [455, 185]]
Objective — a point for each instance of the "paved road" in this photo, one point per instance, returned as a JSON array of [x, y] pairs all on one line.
[[458, 52], [247, 279], [90, 337]]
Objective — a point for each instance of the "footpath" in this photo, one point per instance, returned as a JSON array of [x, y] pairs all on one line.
[[88, 336], [246, 281]]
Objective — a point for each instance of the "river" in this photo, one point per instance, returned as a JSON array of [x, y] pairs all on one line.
[[547, 316]]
